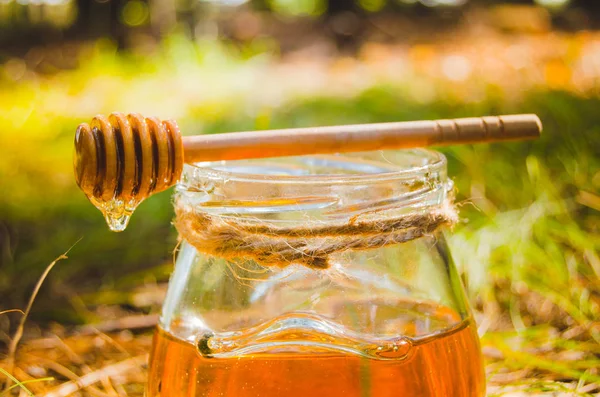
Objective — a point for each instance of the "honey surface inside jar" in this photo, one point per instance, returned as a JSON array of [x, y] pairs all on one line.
[[445, 364]]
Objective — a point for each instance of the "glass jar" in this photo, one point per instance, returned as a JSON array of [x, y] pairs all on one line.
[[316, 276]]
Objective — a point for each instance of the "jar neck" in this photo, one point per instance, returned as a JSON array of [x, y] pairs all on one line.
[[319, 189]]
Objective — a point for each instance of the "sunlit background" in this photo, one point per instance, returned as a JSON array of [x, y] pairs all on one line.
[[529, 243]]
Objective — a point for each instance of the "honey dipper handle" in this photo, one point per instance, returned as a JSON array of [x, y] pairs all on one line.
[[361, 137]]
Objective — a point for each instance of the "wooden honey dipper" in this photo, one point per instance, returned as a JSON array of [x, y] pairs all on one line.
[[126, 158]]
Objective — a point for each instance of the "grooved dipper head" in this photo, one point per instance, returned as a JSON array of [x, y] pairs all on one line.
[[127, 157]]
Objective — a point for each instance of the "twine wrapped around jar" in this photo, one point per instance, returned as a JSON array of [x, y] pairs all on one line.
[[241, 239]]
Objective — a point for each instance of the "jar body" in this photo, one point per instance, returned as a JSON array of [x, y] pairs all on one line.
[[378, 319]]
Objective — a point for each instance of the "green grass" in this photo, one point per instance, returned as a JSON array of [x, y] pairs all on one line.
[[19, 384]]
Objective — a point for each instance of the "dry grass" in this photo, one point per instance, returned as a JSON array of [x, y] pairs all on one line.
[[86, 361]]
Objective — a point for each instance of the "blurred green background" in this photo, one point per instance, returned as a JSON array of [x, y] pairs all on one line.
[[529, 243], [528, 246]]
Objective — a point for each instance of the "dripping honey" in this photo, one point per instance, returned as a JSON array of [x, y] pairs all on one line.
[[445, 364]]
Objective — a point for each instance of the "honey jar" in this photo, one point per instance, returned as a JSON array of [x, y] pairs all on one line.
[[316, 276]]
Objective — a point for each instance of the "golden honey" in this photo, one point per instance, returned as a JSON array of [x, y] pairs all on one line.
[[446, 364]]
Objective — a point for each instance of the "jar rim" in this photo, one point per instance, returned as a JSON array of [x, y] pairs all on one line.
[[432, 162]]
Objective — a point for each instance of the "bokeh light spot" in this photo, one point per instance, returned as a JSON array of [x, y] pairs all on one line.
[[372, 5], [15, 69], [299, 7], [228, 3], [135, 13], [456, 67], [558, 74], [447, 3], [553, 3]]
